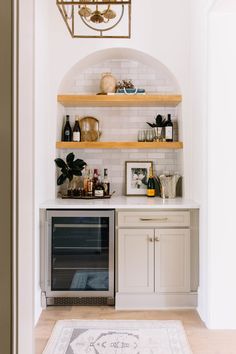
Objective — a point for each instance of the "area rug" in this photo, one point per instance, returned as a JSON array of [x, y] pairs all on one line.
[[117, 337]]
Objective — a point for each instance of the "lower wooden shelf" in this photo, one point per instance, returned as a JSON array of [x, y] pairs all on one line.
[[118, 145]]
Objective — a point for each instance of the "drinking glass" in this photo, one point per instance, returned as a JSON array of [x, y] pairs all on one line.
[[141, 135], [149, 135]]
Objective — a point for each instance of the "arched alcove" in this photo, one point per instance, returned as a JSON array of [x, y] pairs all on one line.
[[122, 123], [141, 67]]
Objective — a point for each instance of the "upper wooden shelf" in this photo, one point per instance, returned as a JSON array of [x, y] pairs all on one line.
[[153, 100], [118, 145]]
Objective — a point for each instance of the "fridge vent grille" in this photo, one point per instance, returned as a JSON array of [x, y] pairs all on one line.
[[79, 301]]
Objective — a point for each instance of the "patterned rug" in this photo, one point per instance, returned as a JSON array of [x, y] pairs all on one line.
[[117, 337]]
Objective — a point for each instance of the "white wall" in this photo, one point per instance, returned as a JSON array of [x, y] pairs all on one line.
[[164, 35], [198, 164], [213, 78], [221, 142]]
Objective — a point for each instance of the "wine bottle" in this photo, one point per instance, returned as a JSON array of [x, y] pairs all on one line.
[[169, 129], [99, 189], [76, 131], [151, 184], [106, 183], [67, 132]]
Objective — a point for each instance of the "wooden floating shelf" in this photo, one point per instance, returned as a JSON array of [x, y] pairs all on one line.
[[152, 100], [118, 145]]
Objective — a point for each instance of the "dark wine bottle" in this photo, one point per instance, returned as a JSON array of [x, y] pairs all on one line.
[[76, 131], [67, 132], [151, 184], [169, 129]]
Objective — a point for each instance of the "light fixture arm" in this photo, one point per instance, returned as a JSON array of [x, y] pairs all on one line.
[[106, 29]]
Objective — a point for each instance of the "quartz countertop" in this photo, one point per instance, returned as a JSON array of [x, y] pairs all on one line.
[[121, 202]]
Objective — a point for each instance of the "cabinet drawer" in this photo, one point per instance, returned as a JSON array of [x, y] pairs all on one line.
[[154, 219]]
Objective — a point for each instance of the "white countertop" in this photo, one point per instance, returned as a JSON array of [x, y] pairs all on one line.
[[121, 202]]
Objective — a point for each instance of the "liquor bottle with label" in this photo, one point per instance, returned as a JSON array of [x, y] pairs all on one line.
[[95, 177], [90, 183], [151, 191], [106, 182], [85, 180], [99, 189], [76, 131], [67, 131], [169, 129]]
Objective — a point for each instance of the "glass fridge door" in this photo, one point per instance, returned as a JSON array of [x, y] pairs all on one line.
[[80, 253]]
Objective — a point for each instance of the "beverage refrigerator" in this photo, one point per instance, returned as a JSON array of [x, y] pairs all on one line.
[[77, 257]]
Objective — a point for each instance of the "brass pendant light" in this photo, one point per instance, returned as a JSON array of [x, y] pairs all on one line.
[[96, 18]]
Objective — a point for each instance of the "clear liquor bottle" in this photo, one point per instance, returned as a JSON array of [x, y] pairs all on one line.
[[106, 182], [90, 183], [85, 180]]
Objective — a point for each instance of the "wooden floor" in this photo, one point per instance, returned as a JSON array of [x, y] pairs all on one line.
[[201, 340]]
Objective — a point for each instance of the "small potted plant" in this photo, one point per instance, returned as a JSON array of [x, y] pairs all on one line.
[[160, 122], [69, 170]]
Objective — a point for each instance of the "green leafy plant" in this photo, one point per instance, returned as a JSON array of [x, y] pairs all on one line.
[[69, 168], [160, 121]]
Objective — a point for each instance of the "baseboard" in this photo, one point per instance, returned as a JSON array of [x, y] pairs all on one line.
[[155, 301]]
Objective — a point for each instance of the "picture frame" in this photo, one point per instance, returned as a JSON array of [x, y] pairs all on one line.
[[136, 175]]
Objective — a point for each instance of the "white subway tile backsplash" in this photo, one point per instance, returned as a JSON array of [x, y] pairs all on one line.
[[155, 155], [115, 168], [115, 160], [93, 162], [138, 156], [117, 180]]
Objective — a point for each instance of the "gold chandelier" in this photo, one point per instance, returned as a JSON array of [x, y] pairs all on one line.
[[97, 18]]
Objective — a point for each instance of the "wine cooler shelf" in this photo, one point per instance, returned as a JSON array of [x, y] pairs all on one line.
[[119, 145]]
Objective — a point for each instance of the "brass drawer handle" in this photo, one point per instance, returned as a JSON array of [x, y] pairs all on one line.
[[153, 219]]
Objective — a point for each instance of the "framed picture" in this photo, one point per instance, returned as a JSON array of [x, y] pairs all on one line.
[[136, 177]]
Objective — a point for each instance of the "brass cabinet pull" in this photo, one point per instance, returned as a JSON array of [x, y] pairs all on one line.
[[153, 219], [150, 239], [157, 239]]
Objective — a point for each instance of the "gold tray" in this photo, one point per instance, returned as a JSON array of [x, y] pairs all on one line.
[[86, 197]]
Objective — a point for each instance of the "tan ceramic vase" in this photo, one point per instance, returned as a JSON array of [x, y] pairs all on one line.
[[108, 83]]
